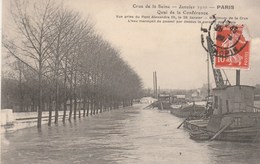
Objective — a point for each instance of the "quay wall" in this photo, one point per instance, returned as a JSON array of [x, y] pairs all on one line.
[[12, 121]]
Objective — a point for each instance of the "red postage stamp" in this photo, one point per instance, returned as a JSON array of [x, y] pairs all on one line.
[[232, 47]]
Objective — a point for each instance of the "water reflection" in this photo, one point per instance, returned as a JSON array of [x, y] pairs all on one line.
[[131, 135]]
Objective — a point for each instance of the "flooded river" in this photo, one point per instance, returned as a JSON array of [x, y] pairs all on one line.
[[128, 136]]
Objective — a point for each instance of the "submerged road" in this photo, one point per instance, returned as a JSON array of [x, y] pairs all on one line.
[[128, 136]]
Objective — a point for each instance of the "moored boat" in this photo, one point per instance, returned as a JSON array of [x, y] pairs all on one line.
[[234, 120], [164, 102], [185, 111]]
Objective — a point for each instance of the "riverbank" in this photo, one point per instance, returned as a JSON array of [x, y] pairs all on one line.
[[14, 121], [11, 122]]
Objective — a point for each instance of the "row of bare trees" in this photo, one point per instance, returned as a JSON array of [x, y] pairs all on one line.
[[62, 64]]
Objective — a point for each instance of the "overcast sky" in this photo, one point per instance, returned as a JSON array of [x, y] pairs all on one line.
[[173, 50]]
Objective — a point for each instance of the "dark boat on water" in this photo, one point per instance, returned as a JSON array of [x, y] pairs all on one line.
[[234, 118], [185, 111], [164, 102]]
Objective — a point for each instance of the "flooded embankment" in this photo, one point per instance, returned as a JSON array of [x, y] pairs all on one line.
[[130, 135]]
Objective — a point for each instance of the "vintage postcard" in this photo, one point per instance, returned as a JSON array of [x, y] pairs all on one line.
[[130, 81]]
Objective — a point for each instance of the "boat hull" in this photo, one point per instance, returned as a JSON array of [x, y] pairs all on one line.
[[244, 132], [188, 111], [250, 134]]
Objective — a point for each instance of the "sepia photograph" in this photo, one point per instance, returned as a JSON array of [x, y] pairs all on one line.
[[130, 82]]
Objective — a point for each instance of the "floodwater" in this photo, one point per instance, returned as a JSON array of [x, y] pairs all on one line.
[[128, 136]]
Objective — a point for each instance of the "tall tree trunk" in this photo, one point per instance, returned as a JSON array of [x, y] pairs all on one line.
[[57, 104], [84, 96], [75, 107], [71, 96], [84, 106], [80, 103], [50, 112], [21, 89], [75, 95], [39, 121], [64, 106], [65, 92], [88, 106], [57, 65]]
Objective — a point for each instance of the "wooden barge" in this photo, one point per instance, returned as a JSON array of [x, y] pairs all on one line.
[[185, 111], [233, 117], [164, 102]]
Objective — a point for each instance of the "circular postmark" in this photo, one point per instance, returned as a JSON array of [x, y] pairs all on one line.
[[225, 37]]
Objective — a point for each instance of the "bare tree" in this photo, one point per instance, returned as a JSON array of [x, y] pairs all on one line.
[[65, 24], [34, 25]]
